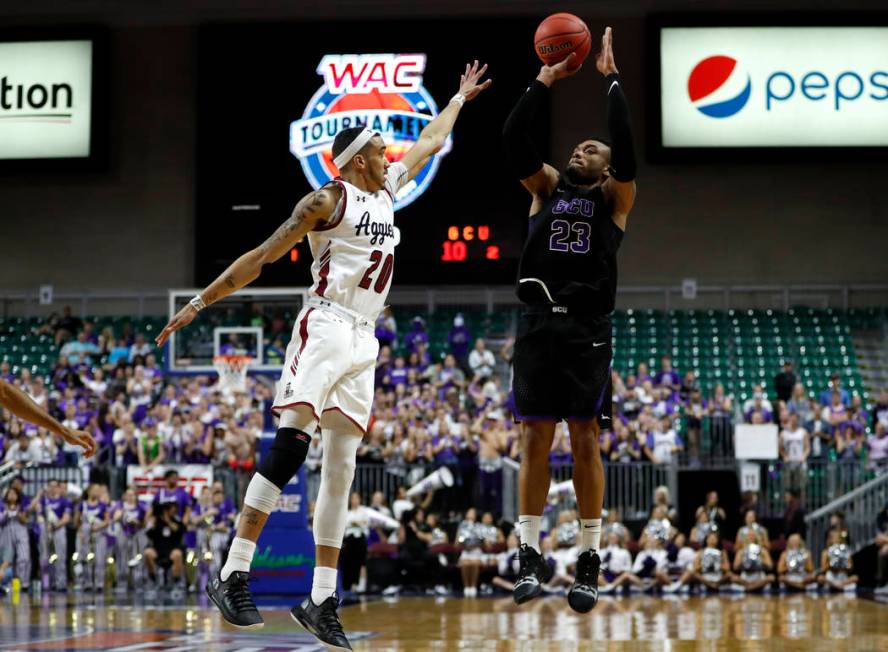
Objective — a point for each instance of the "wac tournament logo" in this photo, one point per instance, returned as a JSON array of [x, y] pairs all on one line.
[[382, 92], [718, 87]]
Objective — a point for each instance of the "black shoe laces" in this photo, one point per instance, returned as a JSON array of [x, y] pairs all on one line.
[[329, 619], [238, 594]]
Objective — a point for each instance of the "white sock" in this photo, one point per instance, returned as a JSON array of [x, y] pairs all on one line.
[[529, 530], [240, 555], [324, 584], [590, 534]]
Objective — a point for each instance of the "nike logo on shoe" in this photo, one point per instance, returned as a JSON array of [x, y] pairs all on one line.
[[597, 344]]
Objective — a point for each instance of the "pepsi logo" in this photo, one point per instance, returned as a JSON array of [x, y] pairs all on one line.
[[382, 92], [718, 87]]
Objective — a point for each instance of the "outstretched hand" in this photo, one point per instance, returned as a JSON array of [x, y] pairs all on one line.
[[82, 439], [565, 68], [182, 318], [605, 59], [469, 86]]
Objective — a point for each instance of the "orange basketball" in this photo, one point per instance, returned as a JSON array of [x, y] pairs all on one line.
[[559, 35]]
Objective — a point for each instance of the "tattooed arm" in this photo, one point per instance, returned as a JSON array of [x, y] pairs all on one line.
[[313, 209]]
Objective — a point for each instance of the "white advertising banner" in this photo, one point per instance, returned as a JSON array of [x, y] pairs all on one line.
[[192, 477], [756, 442], [774, 86], [45, 99]]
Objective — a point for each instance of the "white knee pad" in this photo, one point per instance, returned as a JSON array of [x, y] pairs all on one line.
[[261, 494], [337, 475]]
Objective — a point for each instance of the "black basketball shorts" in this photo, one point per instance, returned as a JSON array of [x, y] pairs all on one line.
[[562, 365]]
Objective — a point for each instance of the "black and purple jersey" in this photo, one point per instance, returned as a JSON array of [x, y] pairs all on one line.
[[570, 255]]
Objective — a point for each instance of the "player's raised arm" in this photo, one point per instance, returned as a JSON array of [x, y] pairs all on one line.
[[621, 184], [538, 177], [313, 209], [21, 405], [434, 135]]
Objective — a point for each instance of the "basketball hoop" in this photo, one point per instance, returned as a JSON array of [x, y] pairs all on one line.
[[232, 370]]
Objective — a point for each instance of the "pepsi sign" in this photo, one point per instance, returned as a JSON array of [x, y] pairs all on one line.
[[774, 86], [382, 92]]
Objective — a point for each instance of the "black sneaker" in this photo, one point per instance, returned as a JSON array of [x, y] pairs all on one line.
[[532, 574], [234, 600], [323, 621], [583, 595]]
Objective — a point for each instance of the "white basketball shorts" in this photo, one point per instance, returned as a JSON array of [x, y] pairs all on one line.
[[330, 368]]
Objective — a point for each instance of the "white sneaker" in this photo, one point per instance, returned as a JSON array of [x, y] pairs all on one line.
[[851, 588], [812, 587], [609, 588], [882, 590], [672, 588], [441, 590], [394, 589]]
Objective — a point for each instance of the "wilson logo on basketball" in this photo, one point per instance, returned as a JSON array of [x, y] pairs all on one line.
[[382, 92], [552, 49], [718, 87]]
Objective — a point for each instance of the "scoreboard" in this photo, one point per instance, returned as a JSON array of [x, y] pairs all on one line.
[[271, 98]]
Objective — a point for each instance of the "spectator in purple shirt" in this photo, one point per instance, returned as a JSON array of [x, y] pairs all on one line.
[[667, 376], [758, 411], [386, 328], [173, 493], [417, 334], [459, 340], [398, 374]]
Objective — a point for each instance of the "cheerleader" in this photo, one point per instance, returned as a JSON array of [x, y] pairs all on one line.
[[470, 536], [755, 565], [92, 522], [711, 568], [648, 571], [836, 565], [615, 560], [54, 514], [795, 569], [703, 528], [751, 524], [507, 564], [14, 529]]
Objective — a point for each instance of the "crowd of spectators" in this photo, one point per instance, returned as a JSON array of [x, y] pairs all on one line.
[[455, 412], [411, 547]]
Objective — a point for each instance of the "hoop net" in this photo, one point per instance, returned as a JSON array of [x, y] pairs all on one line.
[[232, 370]]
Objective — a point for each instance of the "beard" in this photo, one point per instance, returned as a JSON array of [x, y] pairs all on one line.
[[575, 175]]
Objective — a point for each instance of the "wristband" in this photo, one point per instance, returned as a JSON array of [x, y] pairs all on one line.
[[198, 303], [460, 98]]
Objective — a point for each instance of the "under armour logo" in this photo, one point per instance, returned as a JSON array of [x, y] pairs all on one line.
[[361, 198]]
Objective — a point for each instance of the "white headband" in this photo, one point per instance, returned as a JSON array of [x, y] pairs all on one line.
[[354, 147]]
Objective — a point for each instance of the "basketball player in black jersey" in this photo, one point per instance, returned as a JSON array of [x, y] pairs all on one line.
[[567, 280]]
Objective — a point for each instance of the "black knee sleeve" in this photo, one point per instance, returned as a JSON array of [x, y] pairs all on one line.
[[287, 454]]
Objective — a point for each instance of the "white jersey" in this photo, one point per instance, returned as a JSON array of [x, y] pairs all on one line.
[[354, 253], [794, 443]]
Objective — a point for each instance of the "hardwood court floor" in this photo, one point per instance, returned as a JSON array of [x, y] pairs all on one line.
[[637, 624]]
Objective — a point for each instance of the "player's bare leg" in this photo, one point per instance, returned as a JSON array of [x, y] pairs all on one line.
[[533, 488], [588, 480]]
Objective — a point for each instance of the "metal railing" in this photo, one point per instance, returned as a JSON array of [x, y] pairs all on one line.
[[628, 487], [825, 481], [860, 506], [36, 477]]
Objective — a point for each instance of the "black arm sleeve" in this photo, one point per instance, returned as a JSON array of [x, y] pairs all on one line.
[[622, 152], [517, 143]]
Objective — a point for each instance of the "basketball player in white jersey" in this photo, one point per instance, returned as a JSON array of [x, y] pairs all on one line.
[[328, 373]]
